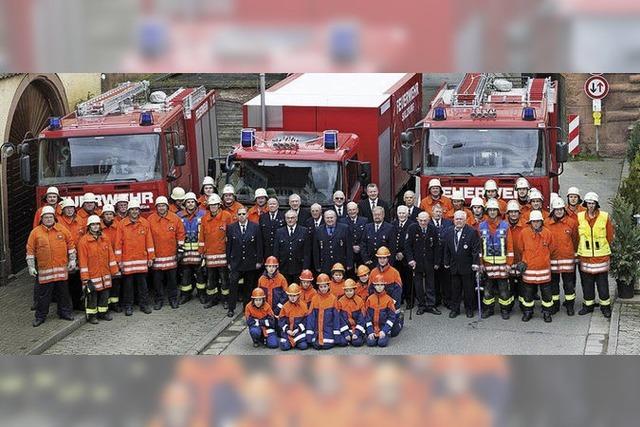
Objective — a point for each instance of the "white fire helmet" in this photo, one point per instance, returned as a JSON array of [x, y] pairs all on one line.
[[109, 208], [522, 183], [435, 182], [178, 193], [53, 190], [260, 192], [214, 199], [67, 202], [535, 194], [89, 198], [47, 210], [122, 198], [190, 196], [513, 205], [535, 216], [477, 201], [134, 203], [573, 191], [493, 204], [557, 203], [208, 181], [591, 197], [457, 195], [161, 200], [228, 189], [93, 219], [490, 185]]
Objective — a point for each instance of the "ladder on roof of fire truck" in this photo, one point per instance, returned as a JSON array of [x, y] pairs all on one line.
[[470, 92], [112, 100]]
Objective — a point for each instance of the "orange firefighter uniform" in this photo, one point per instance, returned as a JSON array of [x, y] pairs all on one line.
[[233, 209], [275, 288], [134, 246], [262, 324], [254, 212], [293, 317], [535, 251], [167, 233], [51, 249], [97, 263], [563, 257], [213, 237], [323, 321], [427, 204], [353, 319]]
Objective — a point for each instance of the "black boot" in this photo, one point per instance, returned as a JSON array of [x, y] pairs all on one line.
[[37, 322], [128, 311], [504, 312], [202, 296], [158, 305], [212, 301], [546, 315], [185, 297], [116, 308], [487, 312], [527, 315], [145, 309], [174, 303], [105, 316], [606, 311], [586, 309], [556, 307], [91, 318], [570, 310]]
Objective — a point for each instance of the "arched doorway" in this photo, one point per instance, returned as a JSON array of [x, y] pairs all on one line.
[[38, 97]]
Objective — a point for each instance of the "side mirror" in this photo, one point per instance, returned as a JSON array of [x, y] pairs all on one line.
[[227, 165], [365, 173], [212, 167], [406, 137], [179, 155], [562, 152], [406, 157], [25, 169]]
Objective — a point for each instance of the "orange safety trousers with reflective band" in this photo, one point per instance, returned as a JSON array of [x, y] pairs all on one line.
[[565, 239], [134, 246], [536, 248], [97, 260], [212, 238], [168, 233], [50, 248]]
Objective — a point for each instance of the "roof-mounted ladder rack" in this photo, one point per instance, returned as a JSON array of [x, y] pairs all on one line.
[[113, 100]]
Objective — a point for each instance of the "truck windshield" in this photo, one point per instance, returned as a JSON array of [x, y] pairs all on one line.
[[481, 152], [98, 159], [314, 181]]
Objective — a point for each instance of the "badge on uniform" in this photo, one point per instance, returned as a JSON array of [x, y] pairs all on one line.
[[465, 246], [172, 228], [60, 236]]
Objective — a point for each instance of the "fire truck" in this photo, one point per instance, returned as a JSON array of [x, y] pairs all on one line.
[[126, 141], [325, 132], [489, 127]]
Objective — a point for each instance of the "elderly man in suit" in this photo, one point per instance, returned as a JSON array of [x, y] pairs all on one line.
[[421, 250], [376, 234], [292, 247], [295, 204], [245, 256], [367, 205], [400, 228], [442, 276], [270, 222], [332, 244], [461, 256], [409, 198], [356, 225]]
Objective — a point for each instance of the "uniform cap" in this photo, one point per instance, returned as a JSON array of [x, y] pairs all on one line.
[[214, 199], [349, 284], [47, 210], [513, 205], [177, 193], [53, 190], [93, 219], [323, 279], [306, 275], [293, 289], [435, 182], [362, 270], [535, 216], [271, 261], [493, 204], [477, 201], [260, 192], [383, 251], [190, 196], [161, 200], [108, 208], [228, 189], [134, 204], [522, 183], [337, 267], [258, 293], [490, 185]]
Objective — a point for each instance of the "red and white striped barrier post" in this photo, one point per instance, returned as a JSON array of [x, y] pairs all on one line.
[[574, 134]]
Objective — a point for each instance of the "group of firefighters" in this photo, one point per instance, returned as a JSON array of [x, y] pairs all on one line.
[[314, 278]]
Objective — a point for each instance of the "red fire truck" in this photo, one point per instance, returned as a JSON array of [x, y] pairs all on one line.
[[489, 127], [126, 142], [364, 114]]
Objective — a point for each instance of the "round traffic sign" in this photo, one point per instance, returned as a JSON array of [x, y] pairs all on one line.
[[596, 87]]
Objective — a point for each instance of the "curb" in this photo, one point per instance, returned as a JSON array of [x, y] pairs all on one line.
[[612, 343], [203, 343], [47, 342]]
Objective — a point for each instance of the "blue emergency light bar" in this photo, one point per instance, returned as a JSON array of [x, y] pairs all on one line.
[[247, 137], [330, 139], [528, 113], [439, 113], [146, 118], [55, 123]]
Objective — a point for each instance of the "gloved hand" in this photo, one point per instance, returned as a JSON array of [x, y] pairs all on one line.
[[203, 263], [382, 334], [33, 271]]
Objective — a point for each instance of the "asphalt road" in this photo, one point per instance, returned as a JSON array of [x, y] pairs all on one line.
[[429, 334]]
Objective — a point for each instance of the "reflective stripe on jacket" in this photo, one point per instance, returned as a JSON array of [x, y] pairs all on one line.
[[50, 248]]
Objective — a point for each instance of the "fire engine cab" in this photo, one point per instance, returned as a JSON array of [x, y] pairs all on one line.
[[127, 142], [488, 127]]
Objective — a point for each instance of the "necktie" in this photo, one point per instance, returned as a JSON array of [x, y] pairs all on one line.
[[317, 223], [438, 224], [373, 205], [339, 211], [424, 231], [402, 225], [243, 227], [290, 231], [458, 233], [330, 231], [377, 227], [273, 217]]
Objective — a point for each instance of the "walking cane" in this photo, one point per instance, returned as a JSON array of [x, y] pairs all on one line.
[[413, 290], [478, 289]]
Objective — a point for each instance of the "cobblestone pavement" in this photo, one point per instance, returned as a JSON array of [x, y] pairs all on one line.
[[629, 329], [164, 332], [18, 336]]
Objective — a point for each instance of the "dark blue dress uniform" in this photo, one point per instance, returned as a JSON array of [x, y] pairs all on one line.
[[293, 251], [244, 251], [422, 247], [460, 255], [442, 276], [364, 207], [413, 212], [329, 249], [268, 228], [397, 245], [372, 241], [356, 228]]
